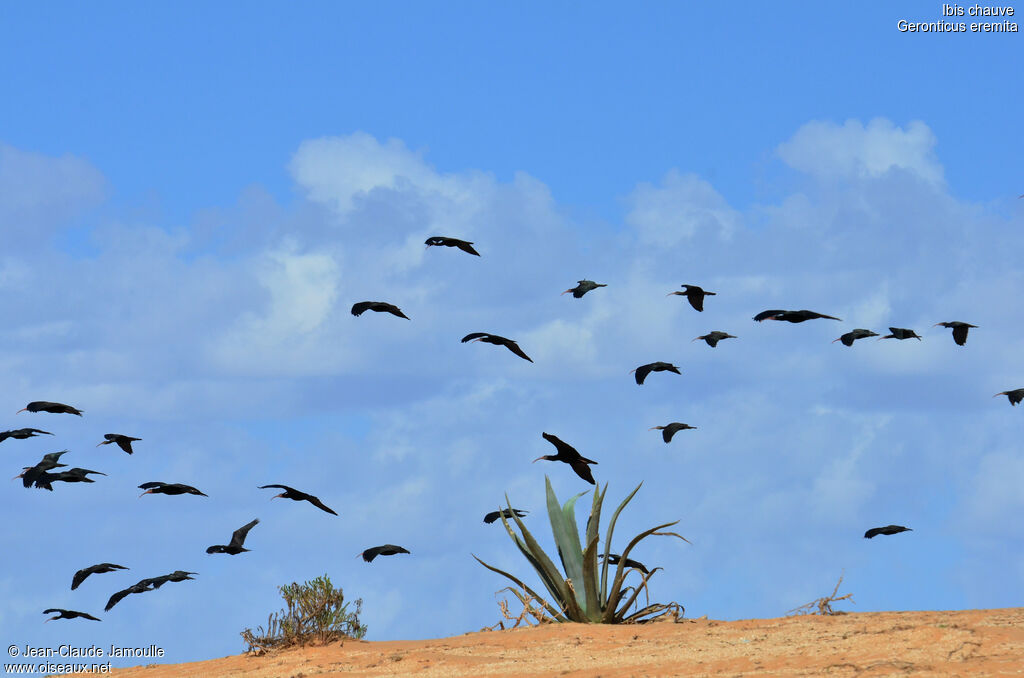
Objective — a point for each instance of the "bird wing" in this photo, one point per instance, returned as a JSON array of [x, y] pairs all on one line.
[[466, 247], [358, 309], [583, 471], [514, 347], [238, 536], [696, 299], [54, 609], [491, 517], [282, 487], [189, 489], [117, 597], [668, 432], [960, 334], [81, 575], [394, 310], [370, 554], [873, 532], [564, 448], [319, 504], [642, 372], [125, 444], [765, 315], [474, 335], [151, 485], [88, 616]]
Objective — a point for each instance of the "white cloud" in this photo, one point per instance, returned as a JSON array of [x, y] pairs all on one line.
[[826, 150], [681, 207]]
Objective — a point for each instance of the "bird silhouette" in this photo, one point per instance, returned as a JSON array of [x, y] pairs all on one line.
[[497, 341], [694, 294], [93, 569], [76, 475], [156, 487], [237, 539], [644, 370], [568, 454], [122, 441], [452, 242], [1014, 396], [959, 330], [385, 550], [141, 587], [297, 495], [583, 287], [712, 338], [176, 576], [614, 558], [379, 306], [888, 529], [31, 474], [900, 333], [854, 335], [668, 431], [792, 316], [22, 433], [54, 408], [503, 513], [68, 614]]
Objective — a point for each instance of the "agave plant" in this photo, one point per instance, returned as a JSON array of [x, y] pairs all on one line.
[[583, 593]]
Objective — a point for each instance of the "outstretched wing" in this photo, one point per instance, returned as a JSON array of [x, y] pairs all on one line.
[[514, 347], [117, 597], [583, 471], [466, 247], [361, 307], [474, 335], [642, 372], [238, 536], [280, 487], [960, 334], [151, 485], [319, 504], [765, 315]]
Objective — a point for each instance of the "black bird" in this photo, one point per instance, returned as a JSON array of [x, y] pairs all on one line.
[[668, 431], [888, 529], [296, 495], [712, 338], [452, 242], [122, 441], [503, 513], [497, 341], [176, 576], [22, 433], [854, 335], [93, 569], [54, 408], [583, 287], [959, 330], [568, 454], [140, 587], [49, 462], [385, 550], [237, 539], [76, 475], [694, 294], [379, 306], [644, 370], [1014, 396], [156, 487], [68, 614], [792, 316], [900, 333], [614, 558], [43, 480]]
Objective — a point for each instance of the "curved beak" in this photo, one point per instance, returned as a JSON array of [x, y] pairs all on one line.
[[695, 339], [835, 340], [21, 410], [654, 427], [145, 493], [565, 292], [536, 460]]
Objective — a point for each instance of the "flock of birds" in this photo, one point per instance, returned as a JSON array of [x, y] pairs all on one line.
[[42, 475]]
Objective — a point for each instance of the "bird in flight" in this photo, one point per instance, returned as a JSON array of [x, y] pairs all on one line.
[[76, 475], [122, 441], [32, 474], [22, 433], [959, 330], [792, 316], [497, 341], [68, 614], [385, 550], [694, 294], [644, 370], [583, 287], [93, 569], [141, 587], [378, 306], [854, 335], [900, 333], [503, 513], [296, 495], [176, 576], [157, 487], [568, 454], [668, 431], [888, 529], [54, 408], [614, 558], [1014, 396], [712, 338], [237, 539], [452, 242]]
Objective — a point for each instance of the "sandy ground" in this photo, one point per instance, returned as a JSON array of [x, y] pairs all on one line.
[[968, 642]]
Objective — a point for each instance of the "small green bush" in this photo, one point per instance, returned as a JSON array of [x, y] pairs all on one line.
[[315, 611]]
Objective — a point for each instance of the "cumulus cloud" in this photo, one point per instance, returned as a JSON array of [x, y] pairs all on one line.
[[682, 206]]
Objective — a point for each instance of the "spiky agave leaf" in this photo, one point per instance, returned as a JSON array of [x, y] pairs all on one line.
[[559, 616], [610, 611], [567, 539], [608, 545]]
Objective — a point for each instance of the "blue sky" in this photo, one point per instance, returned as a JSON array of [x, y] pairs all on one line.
[[192, 197]]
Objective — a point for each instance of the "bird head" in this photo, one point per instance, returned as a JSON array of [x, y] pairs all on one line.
[[546, 456], [145, 493]]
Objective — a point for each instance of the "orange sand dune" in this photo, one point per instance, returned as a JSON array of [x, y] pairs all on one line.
[[968, 642]]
